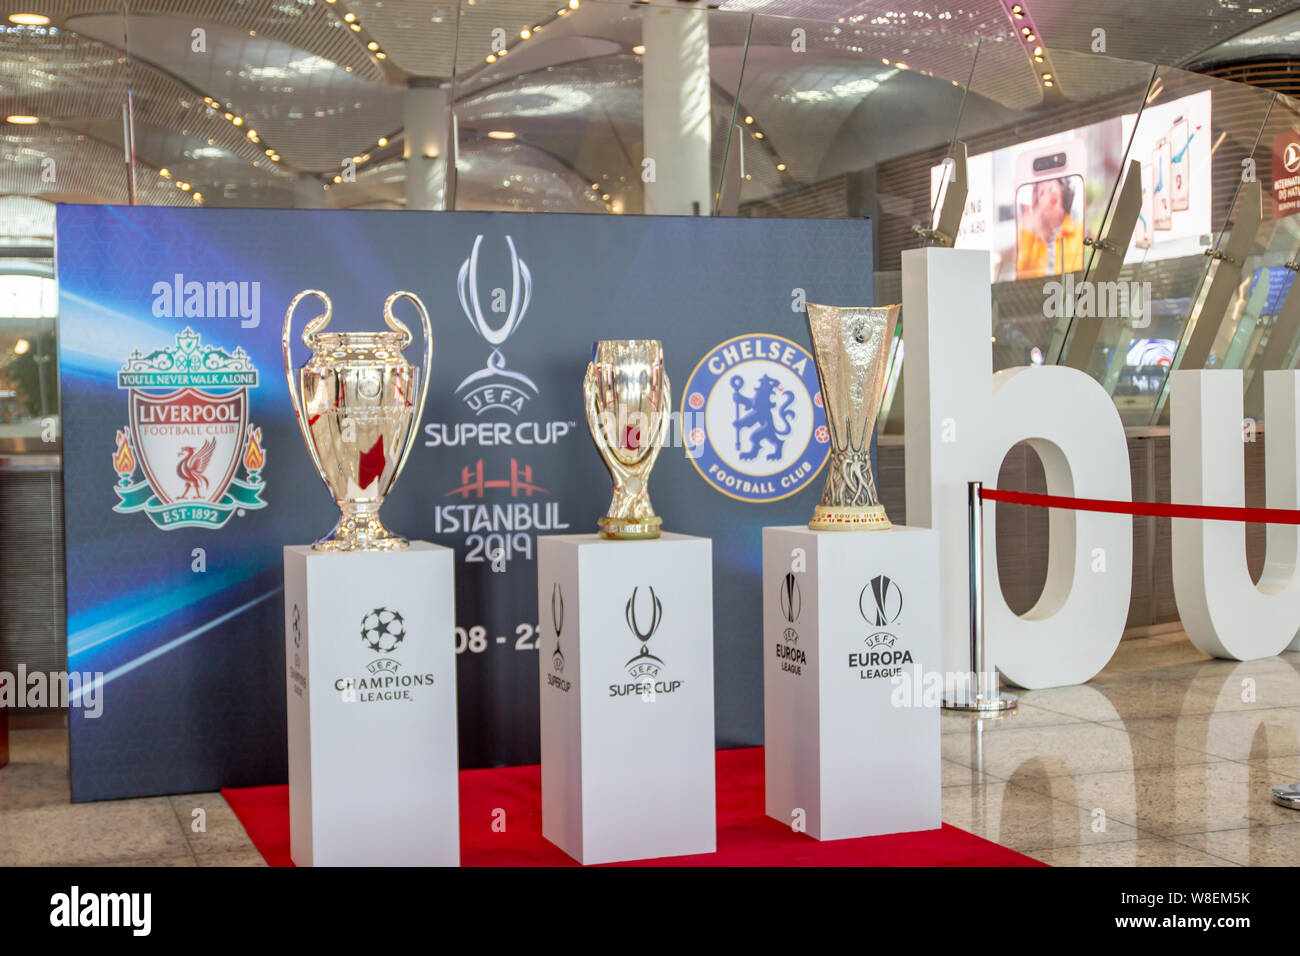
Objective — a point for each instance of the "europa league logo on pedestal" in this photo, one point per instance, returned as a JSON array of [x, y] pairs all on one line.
[[628, 401], [355, 406], [851, 351]]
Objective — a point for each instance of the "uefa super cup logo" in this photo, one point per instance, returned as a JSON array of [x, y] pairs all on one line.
[[557, 621], [495, 385], [643, 620]]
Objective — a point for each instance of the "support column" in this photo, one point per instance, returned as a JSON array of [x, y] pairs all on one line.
[[677, 123], [424, 114]]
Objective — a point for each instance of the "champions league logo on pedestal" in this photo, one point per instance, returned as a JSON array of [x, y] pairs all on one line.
[[495, 386]]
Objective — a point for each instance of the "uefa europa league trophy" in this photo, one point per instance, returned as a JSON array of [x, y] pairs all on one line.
[[851, 350], [628, 400], [355, 407]]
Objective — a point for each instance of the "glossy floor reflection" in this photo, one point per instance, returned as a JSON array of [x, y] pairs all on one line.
[[1163, 759]]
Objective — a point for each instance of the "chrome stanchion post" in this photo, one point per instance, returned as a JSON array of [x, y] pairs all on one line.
[[1287, 795], [982, 696]]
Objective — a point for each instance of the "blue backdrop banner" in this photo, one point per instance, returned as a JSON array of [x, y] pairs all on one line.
[[185, 473]]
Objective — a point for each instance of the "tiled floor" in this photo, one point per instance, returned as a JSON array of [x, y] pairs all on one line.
[[1165, 758]]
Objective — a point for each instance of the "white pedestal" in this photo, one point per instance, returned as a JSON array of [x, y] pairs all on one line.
[[371, 669], [848, 745], [626, 671]]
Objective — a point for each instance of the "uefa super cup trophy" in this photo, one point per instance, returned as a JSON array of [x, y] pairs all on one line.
[[628, 401], [356, 406], [851, 351]]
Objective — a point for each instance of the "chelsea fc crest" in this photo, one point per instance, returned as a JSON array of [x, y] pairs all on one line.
[[188, 435], [753, 416]]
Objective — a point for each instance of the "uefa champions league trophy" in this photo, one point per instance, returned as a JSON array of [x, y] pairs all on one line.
[[851, 351], [356, 409], [628, 401]]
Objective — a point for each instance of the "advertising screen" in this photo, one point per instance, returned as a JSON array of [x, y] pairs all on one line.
[[1031, 205]]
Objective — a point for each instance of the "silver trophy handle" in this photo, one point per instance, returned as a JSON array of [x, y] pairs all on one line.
[[309, 340], [426, 372]]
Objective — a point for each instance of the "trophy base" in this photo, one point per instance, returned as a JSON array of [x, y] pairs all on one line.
[[871, 518], [360, 532], [629, 529]]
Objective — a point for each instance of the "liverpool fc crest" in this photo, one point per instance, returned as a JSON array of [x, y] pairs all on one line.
[[189, 434]]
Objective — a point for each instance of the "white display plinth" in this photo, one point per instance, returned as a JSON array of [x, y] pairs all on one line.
[[850, 751], [626, 671], [371, 669]]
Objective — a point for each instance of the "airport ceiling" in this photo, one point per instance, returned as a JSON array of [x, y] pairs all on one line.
[[265, 102]]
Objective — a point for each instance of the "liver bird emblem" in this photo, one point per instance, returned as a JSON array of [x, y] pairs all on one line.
[[193, 463]]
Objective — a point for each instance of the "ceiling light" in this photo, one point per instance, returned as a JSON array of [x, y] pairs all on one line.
[[198, 197], [1047, 76], [562, 11], [525, 33], [19, 119], [381, 55], [639, 49], [21, 347], [749, 120], [183, 186], [269, 152], [595, 186], [238, 121], [356, 28], [372, 45], [573, 4], [605, 196], [758, 134], [490, 58], [1047, 83], [383, 141], [338, 179], [500, 134], [29, 19], [780, 167], [349, 17], [165, 173]]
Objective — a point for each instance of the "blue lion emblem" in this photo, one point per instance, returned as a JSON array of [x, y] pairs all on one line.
[[759, 412]]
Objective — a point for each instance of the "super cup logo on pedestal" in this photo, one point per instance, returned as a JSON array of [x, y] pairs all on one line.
[[756, 426], [643, 616], [554, 679]]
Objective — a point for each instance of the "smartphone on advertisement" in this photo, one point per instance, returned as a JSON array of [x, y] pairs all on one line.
[[1144, 233], [1161, 189], [1180, 166], [1049, 210]]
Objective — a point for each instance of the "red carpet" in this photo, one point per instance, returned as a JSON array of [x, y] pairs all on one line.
[[746, 837]]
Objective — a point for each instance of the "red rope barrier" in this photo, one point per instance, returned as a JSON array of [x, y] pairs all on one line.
[[1148, 508]]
